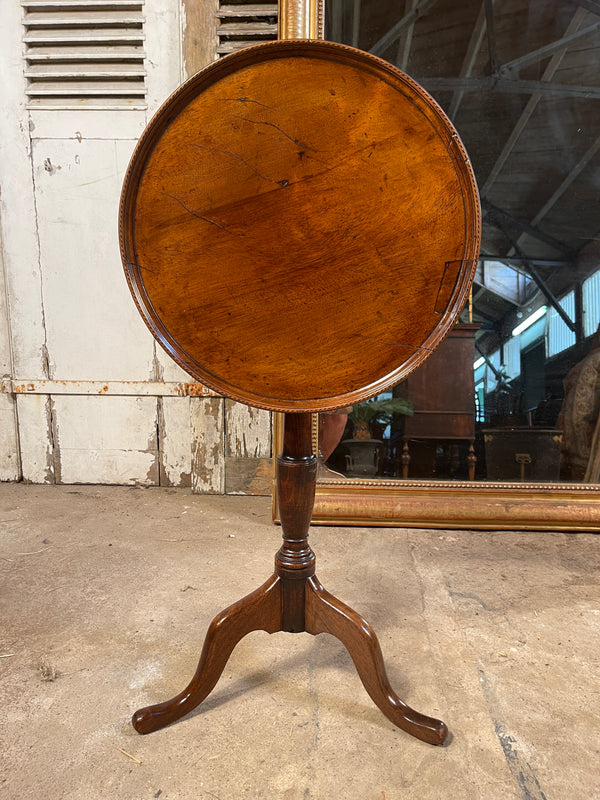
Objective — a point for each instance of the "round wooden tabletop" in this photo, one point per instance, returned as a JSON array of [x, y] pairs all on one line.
[[299, 225]]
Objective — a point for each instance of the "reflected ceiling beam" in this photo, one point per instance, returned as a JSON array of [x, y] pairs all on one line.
[[548, 294], [491, 33], [548, 74], [515, 261], [566, 183], [540, 282], [355, 22], [405, 38], [392, 35], [543, 52], [495, 214], [577, 169], [497, 374], [473, 49], [591, 5], [511, 86], [573, 174]]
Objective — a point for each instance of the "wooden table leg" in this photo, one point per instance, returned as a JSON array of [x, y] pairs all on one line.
[[257, 611], [326, 614], [293, 600], [471, 460]]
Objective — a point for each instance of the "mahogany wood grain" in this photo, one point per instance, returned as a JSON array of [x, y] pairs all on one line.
[[299, 225]]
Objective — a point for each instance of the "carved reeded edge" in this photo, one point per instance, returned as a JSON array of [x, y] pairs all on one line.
[[247, 57], [481, 506], [566, 507]]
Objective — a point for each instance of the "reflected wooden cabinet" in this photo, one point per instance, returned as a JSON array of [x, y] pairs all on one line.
[[442, 391], [522, 454]]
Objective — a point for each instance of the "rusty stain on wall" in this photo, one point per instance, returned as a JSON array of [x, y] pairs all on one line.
[[52, 444], [123, 388], [172, 463]]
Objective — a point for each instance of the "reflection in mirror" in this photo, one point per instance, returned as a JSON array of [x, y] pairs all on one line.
[[513, 393]]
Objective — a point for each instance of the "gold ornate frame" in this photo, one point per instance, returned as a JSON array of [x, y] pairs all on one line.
[[485, 506], [301, 19], [568, 507], [430, 504]]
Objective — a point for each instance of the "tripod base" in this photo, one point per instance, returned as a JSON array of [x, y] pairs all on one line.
[[262, 610], [293, 600]]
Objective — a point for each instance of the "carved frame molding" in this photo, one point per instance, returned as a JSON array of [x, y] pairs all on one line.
[[566, 507], [430, 504], [301, 19]]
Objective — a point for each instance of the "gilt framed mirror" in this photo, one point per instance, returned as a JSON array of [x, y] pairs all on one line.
[[500, 428]]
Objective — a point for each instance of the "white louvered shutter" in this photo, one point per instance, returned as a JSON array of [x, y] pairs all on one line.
[[242, 24], [84, 53]]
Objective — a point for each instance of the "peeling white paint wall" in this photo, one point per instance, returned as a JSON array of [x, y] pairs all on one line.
[[71, 340], [10, 464]]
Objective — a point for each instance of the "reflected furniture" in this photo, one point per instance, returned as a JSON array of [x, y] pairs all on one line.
[[522, 454], [442, 391], [527, 168], [264, 273]]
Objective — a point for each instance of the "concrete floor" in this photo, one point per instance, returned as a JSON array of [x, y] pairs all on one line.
[[106, 594]]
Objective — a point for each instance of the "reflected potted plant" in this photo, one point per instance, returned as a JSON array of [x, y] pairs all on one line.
[[366, 449], [364, 415]]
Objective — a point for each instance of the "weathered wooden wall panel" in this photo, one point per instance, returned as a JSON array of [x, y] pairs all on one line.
[[248, 464], [199, 40], [162, 30], [105, 440], [18, 212], [36, 438], [10, 464], [208, 457], [200, 447], [248, 431], [165, 369], [93, 331], [175, 441], [69, 322]]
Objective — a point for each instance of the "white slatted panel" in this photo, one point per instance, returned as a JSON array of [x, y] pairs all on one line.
[[559, 336], [512, 357], [591, 304], [242, 24], [84, 53]]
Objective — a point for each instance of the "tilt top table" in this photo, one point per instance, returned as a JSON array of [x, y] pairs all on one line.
[[299, 227]]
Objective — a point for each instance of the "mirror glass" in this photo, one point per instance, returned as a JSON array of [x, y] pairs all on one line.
[[513, 393]]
